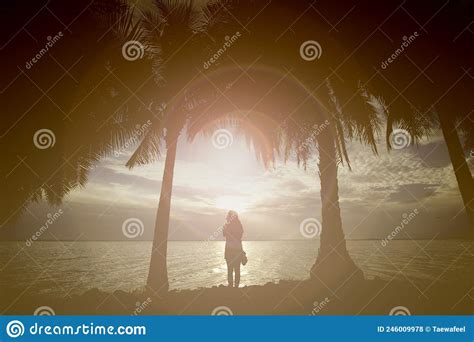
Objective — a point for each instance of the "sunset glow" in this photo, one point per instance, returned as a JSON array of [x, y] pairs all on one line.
[[238, 204]]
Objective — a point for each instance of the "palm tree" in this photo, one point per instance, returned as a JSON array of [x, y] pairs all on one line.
[[420, 125], [346, 105], [100, 30], [174, 31], [323, 123], [454, 113], [346, 111], [421, 104], [458, 160]]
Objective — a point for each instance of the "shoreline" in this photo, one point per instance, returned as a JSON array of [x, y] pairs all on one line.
[[367, 297], [468, 239]]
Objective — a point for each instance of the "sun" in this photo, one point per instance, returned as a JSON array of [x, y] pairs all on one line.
[[236, 203]]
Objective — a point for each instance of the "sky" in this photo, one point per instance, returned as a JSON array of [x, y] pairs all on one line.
[[272, 203]]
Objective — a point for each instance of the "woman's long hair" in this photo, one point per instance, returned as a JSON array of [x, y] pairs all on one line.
[[232, 216], [233, 225]]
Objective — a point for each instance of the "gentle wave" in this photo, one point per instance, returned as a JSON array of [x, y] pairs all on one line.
[[68, 268]]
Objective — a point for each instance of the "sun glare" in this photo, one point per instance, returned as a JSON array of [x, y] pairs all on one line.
[[232, 203]]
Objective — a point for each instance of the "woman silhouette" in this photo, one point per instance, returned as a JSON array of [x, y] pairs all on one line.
[[233, 232]]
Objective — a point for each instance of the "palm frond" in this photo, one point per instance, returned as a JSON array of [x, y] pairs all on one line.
[[418, 124], [358, 112], [177, 14], [258, 129], [214, 16], [149, 149], [120, 18]]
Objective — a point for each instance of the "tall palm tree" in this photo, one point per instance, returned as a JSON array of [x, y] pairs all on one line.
[[441, 102], [175, 31], [455, 113], [346, 111]]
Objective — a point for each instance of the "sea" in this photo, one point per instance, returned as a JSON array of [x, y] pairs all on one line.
[[66, 268]]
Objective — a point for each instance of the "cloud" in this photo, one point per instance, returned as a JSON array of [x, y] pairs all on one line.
[[410, 193], [373, 196]]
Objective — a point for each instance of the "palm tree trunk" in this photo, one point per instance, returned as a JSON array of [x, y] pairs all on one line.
[[458, 160], [158, 273], [333, 264]]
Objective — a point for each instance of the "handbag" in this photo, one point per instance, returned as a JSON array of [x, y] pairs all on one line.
[[244, 258]]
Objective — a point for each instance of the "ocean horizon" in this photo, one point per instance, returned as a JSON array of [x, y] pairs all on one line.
[[63, 268]]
